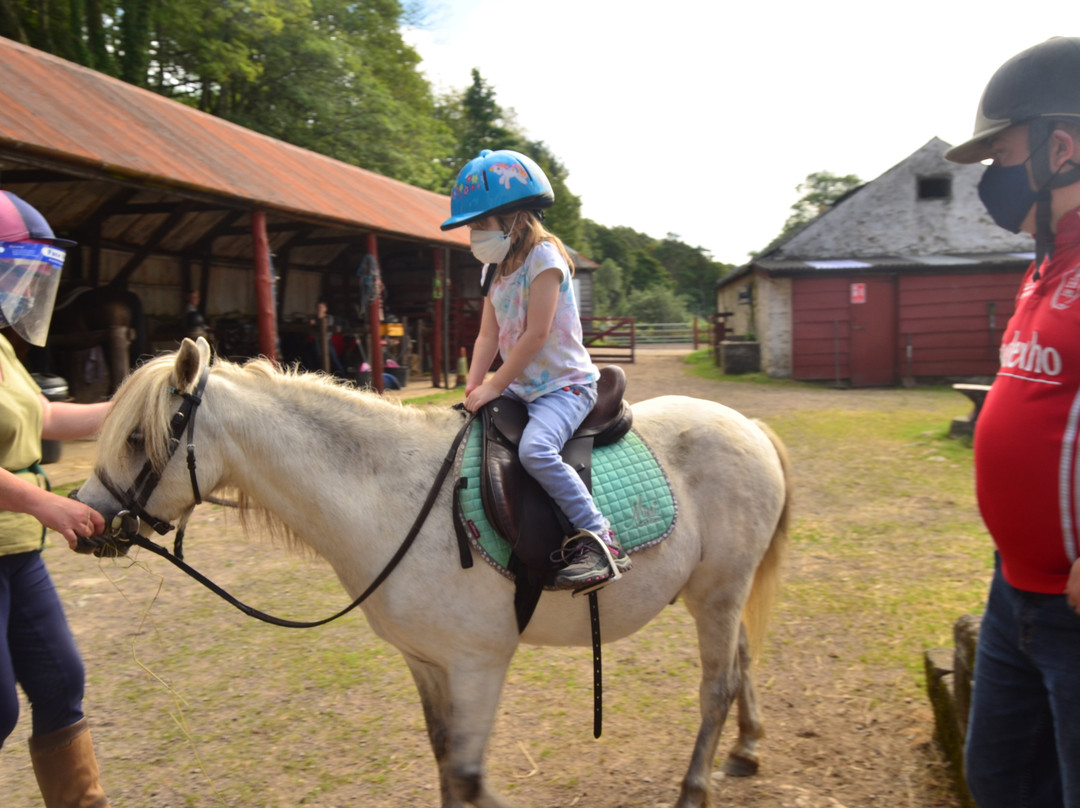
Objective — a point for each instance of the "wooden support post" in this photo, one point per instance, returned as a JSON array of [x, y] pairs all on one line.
[[264, 287], [374, 318], [438, 293]]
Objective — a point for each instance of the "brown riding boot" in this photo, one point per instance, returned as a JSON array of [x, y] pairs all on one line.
[[66, 769]]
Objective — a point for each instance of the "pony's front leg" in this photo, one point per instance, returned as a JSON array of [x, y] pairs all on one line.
[[459, 709], [434, 690], [474, 700]]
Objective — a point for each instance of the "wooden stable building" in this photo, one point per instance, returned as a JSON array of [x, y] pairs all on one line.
[[163, 199], [904, 278]]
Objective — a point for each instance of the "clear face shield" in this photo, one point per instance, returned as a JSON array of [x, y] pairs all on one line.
[[29, 278]]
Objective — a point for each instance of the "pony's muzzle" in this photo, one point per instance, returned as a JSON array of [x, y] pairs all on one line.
[[114, 541]]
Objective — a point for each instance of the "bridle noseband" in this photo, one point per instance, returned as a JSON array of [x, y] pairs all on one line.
[[123, 529]]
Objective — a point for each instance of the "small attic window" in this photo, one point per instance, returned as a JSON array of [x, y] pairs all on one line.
[[935, 188]]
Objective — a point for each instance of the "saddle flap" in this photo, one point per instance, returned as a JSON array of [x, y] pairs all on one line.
[[505, 485], [509, 417]]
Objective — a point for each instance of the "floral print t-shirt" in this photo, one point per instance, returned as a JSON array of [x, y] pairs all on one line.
[[563, 360]]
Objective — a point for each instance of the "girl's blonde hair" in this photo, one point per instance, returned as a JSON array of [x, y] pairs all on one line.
[[527, 233]]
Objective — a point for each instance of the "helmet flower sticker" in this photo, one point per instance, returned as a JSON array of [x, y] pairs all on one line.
[[465, 184]]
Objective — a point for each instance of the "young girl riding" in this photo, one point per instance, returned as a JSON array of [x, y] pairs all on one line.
[[530, 319]]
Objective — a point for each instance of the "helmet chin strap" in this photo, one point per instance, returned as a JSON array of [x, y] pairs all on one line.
[[1039, 131], [1044, 234]]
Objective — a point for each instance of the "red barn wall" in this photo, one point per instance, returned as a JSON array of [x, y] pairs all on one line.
[[948, 325], [820, 329], [954, 323]]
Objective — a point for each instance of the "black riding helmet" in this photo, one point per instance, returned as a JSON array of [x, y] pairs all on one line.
[[1039, 87], [1042, 82]]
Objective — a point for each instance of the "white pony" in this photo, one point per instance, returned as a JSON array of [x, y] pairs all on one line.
[[344, 472]]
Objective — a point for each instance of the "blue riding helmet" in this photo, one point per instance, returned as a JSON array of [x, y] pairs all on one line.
[[497, 182]]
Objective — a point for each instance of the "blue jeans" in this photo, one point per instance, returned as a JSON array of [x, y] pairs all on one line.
[[552, 420], [38, 650], [1023, 741]]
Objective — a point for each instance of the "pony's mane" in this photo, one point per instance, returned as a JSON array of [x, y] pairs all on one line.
[[145, 402]]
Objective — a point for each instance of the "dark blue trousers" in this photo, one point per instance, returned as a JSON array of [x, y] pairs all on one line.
[[38, 651], [1023, 742]]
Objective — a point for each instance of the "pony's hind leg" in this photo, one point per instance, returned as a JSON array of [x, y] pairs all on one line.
[[718, 628], [742, 760]]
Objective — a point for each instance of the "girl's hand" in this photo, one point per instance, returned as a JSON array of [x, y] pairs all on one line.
[[481, 395]]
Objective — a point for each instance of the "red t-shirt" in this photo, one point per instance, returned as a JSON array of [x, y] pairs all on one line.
[[1027, 438]]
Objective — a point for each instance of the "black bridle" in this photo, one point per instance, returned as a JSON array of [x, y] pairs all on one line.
[[123, 530], [124, 527]]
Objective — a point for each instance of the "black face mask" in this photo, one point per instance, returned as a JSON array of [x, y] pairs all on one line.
[[1007, 195]]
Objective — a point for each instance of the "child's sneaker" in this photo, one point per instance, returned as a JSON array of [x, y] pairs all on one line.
[[590, 560]]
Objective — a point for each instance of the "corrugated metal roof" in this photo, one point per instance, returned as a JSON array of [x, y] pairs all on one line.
[[73, 115]]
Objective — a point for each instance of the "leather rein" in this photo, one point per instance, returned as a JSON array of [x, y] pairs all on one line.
[[124, 527]]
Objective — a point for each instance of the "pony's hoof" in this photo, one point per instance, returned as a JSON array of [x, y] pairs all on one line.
[[739, 766]]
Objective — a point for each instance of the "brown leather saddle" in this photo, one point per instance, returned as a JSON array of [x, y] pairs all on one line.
[[516, 506]]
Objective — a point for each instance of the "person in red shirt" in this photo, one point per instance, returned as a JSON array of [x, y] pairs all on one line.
[[1023, 743]]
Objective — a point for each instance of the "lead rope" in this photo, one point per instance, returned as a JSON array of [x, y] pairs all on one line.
[[421, 517]]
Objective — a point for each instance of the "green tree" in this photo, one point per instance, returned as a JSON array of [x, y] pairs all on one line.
[[481, 122], [608, 293], [564, 217], [693, 271], [656, 305], [136, 24], [819, 190], [646, 272]]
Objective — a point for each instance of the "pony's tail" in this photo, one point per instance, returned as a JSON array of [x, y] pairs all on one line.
[[766, 587]]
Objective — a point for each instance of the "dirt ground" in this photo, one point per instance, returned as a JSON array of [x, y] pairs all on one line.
[[840, 734]]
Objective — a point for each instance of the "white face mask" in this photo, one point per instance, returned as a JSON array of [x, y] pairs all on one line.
[[489, 246]]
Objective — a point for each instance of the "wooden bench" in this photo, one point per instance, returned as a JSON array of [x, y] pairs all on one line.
[[965, 425]]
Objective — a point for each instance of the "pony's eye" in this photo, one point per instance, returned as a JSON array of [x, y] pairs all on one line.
[[135, 439]]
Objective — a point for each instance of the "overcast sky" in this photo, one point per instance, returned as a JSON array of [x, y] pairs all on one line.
[[701, 117]]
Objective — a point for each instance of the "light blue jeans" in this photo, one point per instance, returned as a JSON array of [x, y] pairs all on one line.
[[1023, 742], [552, 420]]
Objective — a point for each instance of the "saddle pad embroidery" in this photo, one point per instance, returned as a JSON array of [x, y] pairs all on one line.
[[629, 486]]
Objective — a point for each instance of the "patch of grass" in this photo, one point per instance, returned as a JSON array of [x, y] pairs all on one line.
[[702, 365], [67, 488], [887, 540], [446, 397]]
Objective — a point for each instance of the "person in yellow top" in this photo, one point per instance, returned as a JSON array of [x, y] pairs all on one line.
[[37, 650]]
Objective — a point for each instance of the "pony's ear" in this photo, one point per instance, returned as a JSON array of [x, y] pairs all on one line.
[[190, 360], [205, 351]]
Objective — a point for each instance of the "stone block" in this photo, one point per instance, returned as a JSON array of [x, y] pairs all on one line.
[[940, 686], [966, 638], [737, 357]]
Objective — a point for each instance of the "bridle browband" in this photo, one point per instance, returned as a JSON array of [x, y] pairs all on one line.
[[124, 527]]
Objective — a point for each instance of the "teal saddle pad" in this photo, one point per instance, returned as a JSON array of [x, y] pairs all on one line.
[[629, 487]]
